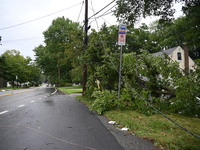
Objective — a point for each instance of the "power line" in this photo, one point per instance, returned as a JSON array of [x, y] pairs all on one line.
[[19, 40], [39, 17], [101, 9], [106, 12], [80, 11], [94, 13]]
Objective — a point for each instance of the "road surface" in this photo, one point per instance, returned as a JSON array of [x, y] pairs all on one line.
[[39, 120], [46, 119]]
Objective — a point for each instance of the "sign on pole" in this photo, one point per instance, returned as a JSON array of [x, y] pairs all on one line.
[[121, 41], [122, 35]]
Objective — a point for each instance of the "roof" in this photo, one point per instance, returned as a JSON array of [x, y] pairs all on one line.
[[168, 51]]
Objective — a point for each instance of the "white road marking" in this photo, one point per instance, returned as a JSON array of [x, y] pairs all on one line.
[[40, 98], [45, 96], [21, 105], [3, 112], [32, 101], [54, 92]]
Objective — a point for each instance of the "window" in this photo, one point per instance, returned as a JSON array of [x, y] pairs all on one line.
[[179, 55]]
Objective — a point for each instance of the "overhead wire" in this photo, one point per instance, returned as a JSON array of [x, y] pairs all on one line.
[[94, 13], [102, 18], [4, 28], [104, 14], [101, 9], [18, 40], [142, 98], [80, 11]]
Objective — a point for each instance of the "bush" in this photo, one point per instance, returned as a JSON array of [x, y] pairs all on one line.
[[104, 101]]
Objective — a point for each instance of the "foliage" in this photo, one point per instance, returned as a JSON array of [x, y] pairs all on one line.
[[14, 67], [151, 72], [155, 78], [62, 51], [147, 79], [104, 101], [178, 32], [169, 32], [187, 91], [131, 11], [101, 58]]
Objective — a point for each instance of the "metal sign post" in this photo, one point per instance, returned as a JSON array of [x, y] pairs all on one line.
[[121, 42]]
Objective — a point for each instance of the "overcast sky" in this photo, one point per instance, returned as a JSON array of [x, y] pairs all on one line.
[[26, 37]]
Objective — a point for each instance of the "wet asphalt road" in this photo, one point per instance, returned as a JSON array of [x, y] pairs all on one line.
[[37, 120]]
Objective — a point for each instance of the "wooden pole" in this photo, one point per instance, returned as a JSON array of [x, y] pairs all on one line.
[[85, 47]]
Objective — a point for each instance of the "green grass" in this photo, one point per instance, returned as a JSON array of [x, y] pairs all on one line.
[[71, 89], [156, 128], [162, 132]]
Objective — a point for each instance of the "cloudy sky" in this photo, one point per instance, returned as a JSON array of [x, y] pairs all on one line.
[[23, 21]]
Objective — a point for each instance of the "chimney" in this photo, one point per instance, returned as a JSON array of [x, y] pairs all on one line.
[[186, 56]]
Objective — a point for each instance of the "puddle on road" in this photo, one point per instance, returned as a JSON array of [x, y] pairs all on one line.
[[49, 102]]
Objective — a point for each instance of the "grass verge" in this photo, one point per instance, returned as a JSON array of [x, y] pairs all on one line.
[[157, 129], [71, 89]]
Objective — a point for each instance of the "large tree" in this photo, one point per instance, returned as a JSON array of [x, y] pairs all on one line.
[[17, 68], [62, 41], [130, 11]]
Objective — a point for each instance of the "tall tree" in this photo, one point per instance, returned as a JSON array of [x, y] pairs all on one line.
[[192, 12], [62, 41], [178, 32], [17, 68], [130, 11]]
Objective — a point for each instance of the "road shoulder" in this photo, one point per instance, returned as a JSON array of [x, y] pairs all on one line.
[[127, 140]]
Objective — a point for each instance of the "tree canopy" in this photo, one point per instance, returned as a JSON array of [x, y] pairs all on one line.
[[57, 57], [130, 11], [15, 68], [156, 79]]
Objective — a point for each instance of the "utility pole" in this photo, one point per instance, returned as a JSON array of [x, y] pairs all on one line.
[[85, 48], [0, 40], [120, 73]]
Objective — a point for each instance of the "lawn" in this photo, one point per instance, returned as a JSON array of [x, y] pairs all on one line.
[[162, 132], [71, 89], [156, 128]]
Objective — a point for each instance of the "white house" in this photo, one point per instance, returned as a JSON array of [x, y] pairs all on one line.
[[177, 54]]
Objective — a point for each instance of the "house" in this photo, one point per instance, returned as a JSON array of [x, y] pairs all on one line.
[[180, 55]]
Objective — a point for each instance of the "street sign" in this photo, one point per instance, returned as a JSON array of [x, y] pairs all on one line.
[[121, 39], [122, 35], [122, 27]]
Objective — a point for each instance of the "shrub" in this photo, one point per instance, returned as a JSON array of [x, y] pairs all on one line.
[[104, 101]]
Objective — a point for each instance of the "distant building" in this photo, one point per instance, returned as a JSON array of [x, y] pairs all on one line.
[[177, 54]]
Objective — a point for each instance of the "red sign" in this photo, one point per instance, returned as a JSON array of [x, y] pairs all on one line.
[[121, 39], [122, 35]]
